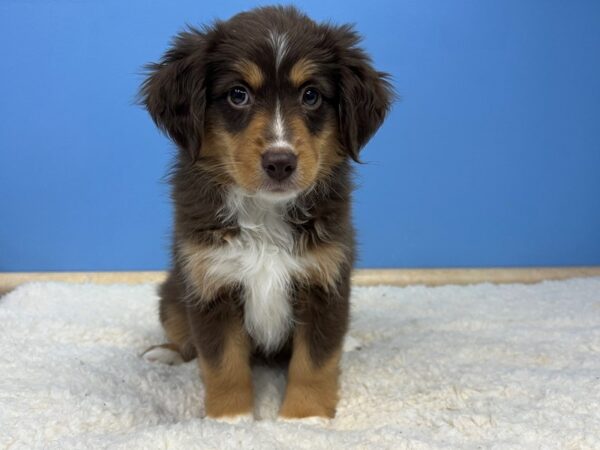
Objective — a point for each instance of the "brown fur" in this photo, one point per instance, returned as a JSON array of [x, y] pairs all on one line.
[[228, 378], [251, 73], [243, 150], [177, 330], [239, 153], [312, 388], [323, 149], [221, 149], [196, 265], [302, 71], [325, 263], [174, 319]]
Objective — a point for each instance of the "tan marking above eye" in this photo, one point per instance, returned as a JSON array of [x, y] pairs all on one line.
[[301, 72], [251, 73]]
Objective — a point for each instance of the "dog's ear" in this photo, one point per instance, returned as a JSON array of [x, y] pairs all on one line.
[[174, 92], [365, 94]]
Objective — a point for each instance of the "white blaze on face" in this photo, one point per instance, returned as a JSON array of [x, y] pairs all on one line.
[[279, 43], [278, 128]]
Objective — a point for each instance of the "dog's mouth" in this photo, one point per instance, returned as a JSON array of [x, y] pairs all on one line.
[[279, 190], [279, 186]]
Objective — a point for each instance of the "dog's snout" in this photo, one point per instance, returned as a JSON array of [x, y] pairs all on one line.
[[279, 165]]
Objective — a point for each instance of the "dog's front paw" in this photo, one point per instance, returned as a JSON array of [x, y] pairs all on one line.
[[228, 401], [302, 402]]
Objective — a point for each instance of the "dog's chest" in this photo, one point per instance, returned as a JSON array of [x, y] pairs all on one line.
[[261, 259]]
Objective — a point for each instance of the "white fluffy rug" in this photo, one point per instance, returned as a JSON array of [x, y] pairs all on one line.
[[448, 367]]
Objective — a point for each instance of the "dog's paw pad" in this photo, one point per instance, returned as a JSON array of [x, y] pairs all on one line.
[[163, 355]]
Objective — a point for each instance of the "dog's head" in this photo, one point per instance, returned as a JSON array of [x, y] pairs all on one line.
[[269, 100]]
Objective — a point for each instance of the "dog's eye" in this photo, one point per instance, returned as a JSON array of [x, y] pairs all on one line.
[[238, 96], [311, 98]]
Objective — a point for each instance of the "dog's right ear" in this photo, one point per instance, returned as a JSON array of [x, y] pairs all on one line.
[[174, 92]]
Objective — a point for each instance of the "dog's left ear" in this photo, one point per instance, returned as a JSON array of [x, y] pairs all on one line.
[[365, 94], [174, 91]]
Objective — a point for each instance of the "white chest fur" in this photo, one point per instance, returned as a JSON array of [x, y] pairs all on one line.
[[261, 259]]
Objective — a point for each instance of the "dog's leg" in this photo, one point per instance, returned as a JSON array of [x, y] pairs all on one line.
[[312, 388], [173, 317], [224, 358], [228, 380]]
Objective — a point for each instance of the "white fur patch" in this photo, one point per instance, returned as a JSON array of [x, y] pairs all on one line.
[[261, 259], [278, 128], [279, 42], [234, 420], [313, 421]]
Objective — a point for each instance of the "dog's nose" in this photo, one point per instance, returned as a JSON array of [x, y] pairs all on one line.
[[279, 165]]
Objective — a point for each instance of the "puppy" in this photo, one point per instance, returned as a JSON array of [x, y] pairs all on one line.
[[267, 109]]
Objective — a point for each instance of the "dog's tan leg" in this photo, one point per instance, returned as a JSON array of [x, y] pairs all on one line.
[[312, 388], [175, 323], [228, 377], [322, 315], [173, 316]]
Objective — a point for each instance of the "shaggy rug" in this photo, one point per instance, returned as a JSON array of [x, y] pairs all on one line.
[[485, 366]]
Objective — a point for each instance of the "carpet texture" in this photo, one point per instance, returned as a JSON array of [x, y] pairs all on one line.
[[510, 366]]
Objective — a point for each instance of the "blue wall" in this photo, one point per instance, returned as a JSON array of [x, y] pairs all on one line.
[[492, 158]]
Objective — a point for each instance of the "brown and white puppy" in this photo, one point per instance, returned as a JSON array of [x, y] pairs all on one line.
[[267, 109]]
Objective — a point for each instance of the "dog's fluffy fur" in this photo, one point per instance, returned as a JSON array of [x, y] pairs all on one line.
[[261, 265]]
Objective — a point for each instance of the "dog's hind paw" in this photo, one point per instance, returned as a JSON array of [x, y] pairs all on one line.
[[163, 354]]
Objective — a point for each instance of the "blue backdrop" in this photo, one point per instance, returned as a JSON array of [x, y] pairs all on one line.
[[491, 158]]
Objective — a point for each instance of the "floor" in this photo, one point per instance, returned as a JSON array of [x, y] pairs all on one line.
[[361, 277]]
